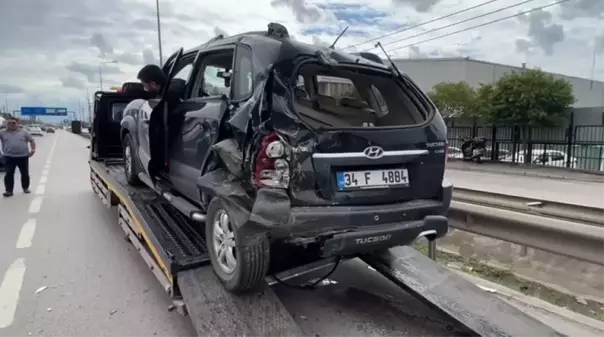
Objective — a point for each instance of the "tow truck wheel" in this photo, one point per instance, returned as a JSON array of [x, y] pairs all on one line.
[[240, 262], [130, 167]]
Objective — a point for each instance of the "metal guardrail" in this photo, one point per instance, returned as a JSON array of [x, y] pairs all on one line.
[[570, 230]]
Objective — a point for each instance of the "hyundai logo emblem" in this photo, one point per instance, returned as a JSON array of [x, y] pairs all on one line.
[[373, 152]]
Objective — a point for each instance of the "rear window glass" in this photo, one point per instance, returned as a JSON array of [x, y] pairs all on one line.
[[117, 111], [346, 98]]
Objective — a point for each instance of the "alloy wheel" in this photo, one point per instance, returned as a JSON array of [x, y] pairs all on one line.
[[224, 242]]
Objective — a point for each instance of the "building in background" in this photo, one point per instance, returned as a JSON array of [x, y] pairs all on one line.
[[582, 142], [589, 107]]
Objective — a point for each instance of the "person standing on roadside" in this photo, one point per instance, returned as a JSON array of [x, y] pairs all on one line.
[[18, 145]]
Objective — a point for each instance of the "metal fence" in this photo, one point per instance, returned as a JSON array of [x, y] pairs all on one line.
[[579, 147]]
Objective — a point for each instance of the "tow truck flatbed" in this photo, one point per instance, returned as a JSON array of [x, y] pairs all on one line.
[[175, 251]]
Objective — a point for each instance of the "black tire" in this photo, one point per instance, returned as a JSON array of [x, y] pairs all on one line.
[[252, 253], [130, 171]]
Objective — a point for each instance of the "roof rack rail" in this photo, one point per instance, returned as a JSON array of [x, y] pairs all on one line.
[[370, 56], [277, 30], [215, 38]]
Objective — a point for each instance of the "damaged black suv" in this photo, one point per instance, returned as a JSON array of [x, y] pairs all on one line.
[[290, 152]]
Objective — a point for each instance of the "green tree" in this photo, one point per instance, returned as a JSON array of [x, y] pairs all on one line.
[[483, 101], [454, 99], [528, 98]]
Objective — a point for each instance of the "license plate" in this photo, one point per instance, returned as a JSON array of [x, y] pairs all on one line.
[[373, 179]]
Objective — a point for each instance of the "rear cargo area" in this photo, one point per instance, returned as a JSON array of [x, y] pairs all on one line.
[[345, 97]]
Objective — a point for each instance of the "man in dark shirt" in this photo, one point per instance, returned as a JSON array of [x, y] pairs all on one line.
[[15, 143], [153, 79]]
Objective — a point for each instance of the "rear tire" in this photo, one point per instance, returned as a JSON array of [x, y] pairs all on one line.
[[240, 262], [131, 168]]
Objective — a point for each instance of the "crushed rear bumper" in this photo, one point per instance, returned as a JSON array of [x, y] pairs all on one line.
[[367, 240], [349, 230]]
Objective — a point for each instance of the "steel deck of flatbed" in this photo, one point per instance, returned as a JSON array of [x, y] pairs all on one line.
[[175, 252]]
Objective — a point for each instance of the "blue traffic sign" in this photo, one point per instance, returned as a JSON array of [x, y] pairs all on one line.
[[43, 111]]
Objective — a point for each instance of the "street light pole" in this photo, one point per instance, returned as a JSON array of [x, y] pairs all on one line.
[[100, 76], [161, 59], [101, 71]]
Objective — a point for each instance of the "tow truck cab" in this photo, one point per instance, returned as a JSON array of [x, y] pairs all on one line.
[[107, 113]]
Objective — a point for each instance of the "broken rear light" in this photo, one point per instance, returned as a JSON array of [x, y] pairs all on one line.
[[272, 165]]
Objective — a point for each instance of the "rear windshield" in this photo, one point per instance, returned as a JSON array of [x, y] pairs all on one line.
[[341, 98]]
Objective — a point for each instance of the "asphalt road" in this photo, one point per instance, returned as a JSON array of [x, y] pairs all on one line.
[[97, 284], [62, 241]]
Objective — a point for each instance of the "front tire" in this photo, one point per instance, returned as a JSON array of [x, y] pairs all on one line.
[[131, 169], [240, 262]]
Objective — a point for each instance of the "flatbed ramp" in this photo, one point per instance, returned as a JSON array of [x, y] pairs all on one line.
[[216, 312], [174, 250], [458, 298]]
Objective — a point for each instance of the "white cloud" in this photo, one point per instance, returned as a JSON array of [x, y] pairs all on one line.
[[51, 50]]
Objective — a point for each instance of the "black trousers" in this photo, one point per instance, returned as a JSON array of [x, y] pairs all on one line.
[[11, 164]]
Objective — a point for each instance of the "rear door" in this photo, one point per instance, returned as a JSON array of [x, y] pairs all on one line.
[[377, 141], [200, 115]]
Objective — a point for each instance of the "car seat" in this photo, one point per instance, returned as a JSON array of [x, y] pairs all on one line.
[[177, 89]]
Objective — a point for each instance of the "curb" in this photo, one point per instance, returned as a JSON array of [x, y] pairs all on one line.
[[511, 295], [517, 171], [525, 278]]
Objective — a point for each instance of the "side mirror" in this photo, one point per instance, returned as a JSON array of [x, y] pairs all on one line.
[[226, 76]]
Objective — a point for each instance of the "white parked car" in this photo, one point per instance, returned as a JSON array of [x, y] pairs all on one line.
[[455, 152], [545, 157], [35, 131]]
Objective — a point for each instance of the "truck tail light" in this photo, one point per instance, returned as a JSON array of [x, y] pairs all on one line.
[[446, 152], [272, 165]]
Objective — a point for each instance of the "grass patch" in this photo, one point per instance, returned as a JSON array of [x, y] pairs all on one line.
[[507, 278]]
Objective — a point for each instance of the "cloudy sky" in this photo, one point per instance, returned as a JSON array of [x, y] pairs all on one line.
[[50, 50]]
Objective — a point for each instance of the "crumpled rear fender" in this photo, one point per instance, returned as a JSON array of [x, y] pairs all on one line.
[[269, 211]]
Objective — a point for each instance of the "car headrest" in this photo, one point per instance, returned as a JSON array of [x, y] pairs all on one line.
[[177, 88], [133, 88]]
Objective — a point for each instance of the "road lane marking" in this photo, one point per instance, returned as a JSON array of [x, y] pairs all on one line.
[[35, 205], [43, 179], [45, 172], [27, 234], [40, 189], [9, 292]]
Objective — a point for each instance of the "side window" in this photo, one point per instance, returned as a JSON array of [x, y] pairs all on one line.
[[185, 72], [117, 111], [213, 83], [215, 75], [242, 81]]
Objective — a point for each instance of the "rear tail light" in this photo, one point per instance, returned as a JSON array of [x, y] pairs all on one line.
[[446, 152], [272, 165]]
